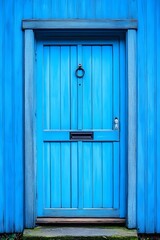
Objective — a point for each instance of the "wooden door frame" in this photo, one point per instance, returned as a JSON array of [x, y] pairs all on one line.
[[31, 27]]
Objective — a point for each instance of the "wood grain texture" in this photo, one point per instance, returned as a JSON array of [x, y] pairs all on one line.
[[80, 220], [18, 87], [9, 165], [97, 194], [147, 13], [80, 24], [2, 198], [29, 131], [132, 147], [157, 104]]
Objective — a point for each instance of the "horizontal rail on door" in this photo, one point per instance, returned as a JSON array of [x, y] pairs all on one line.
[[105, 212], [64, 136]]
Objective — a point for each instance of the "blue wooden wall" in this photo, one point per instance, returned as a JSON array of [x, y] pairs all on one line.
[[12, 99]]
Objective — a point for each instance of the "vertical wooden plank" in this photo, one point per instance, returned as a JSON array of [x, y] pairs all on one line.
[[62, 8], [107, 9], [46, 120], [65, 87], [42, 9], [47, 156], [72, 9], [98, 9], [131, 56], [87, 175], [97, 175], [74, 89], [35, 8], [74, 175], [40, 81], [55, 76], [92, 9], [65, 124], [157, 40], [132, 9], [116, 85], [29, 141], [2, 198], [65, 175], [116, 112], [55, 104], [107, 158], [80, 175], [123, 128], [18, 118], [54, 9], [45, 8], [107, 87], [46, 89], [115, 7], [142, 116], [109, 170], [120, 10], [80, 89], [87, 86], [55, 179], [29, 192], [116, 178], [27, 8], [96, 87], [150, 211], [97, 123], [8, 120], [82, 7]]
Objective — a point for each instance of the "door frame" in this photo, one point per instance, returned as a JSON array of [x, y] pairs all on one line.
[[38, 28]]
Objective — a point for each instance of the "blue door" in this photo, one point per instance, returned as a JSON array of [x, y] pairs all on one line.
[[80, 143]]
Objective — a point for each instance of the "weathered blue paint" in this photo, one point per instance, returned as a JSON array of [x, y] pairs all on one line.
[[147, 13], [29, 126], [95, 103], [132, 103], [80, 24]]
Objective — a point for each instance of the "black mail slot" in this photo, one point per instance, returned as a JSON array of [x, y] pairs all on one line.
[[81, 135]]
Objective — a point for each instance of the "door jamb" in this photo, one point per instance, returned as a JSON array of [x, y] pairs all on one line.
[[29, 26]]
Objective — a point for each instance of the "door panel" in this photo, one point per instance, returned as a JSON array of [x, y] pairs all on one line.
[[59, 87], [78, 177], [98, 87]]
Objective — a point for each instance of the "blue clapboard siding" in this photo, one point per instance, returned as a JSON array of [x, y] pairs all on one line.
[[148, 198], [12, 99]]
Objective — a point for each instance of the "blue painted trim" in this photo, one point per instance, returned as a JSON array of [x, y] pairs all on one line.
[[131, 73], [29, 131], [123, 129], [80, 24], [29, 125]]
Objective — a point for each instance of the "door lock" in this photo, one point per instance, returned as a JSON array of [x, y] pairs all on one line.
[[116, 124]]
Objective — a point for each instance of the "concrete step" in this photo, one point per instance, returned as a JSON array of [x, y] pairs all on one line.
[[81, 233]]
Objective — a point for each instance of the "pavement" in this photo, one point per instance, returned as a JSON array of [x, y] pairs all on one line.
[[81, 233]]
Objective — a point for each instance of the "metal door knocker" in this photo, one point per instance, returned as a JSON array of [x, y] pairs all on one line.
[[80, 71]]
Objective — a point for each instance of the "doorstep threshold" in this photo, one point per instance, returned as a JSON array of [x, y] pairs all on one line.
[[79, 233], [80, 221]]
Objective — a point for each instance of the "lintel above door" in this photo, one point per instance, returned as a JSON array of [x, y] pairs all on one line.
[[51, 24]]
